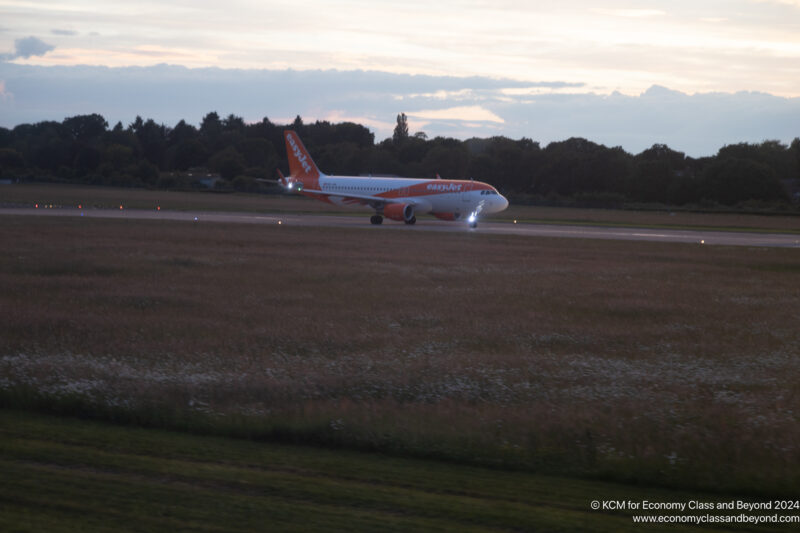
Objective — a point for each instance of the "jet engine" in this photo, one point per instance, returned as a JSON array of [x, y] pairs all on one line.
[[400, 212]]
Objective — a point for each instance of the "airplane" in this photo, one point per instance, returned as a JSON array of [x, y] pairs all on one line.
[[397, 199]]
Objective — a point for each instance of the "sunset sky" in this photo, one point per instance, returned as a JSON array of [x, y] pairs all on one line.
[[544, 48]]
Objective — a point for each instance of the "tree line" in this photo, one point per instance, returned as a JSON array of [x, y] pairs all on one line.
[[576, 171]]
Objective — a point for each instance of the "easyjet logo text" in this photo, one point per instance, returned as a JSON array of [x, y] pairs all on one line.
[[444, 187], [298, 154]]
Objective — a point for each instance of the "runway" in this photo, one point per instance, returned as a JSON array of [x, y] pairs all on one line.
[[706, 237]]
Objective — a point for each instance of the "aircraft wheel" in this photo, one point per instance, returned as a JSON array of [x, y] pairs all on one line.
[[376, 219], [412, 220], [473, 225]]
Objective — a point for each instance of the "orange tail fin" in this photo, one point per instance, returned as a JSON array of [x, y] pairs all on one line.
[[300, 163]]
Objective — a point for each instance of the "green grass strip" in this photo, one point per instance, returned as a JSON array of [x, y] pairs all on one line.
[[65, 474]]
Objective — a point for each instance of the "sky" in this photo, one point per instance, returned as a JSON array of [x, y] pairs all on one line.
[[692, 74]]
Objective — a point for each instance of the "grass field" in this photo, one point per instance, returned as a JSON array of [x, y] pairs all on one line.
[[74, 475], [670, 363], [648, 364]]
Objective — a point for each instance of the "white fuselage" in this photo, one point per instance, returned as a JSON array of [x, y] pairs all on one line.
[[427, 196]]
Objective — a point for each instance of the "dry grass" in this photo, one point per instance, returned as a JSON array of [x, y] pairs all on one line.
[[668, 363]]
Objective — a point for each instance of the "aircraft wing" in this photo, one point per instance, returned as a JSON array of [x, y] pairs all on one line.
[[363, 199]]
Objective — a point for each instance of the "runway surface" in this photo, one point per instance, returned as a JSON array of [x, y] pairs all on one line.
[[728, 238]]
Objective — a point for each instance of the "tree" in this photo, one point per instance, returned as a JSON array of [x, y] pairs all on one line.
[[573, 166], [46, 146], [228, 162], [773, 154], [258, 152], [10, 160], [655, 172], [86, 127], [82, 148], [450, 160], [731, 180], [118, 155], [5, 137], [153, 141], [233, 123], [211, 131], [87, 160], [355, 133], [794, 149], [211, 125], [136, 125], [182, 132], [401, 130], [186, 154]]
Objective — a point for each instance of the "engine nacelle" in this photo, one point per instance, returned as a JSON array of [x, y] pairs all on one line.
[[447, 216], [400, 212]]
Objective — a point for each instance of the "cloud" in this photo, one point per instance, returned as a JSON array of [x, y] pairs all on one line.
[[337, 116], [630, 13], [697, 124], [462, 113], [625, 45], [794, 3], [27, 47], [4, 94]]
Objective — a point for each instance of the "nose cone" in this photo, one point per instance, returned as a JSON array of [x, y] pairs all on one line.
[[503, 203], [495, 203]]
